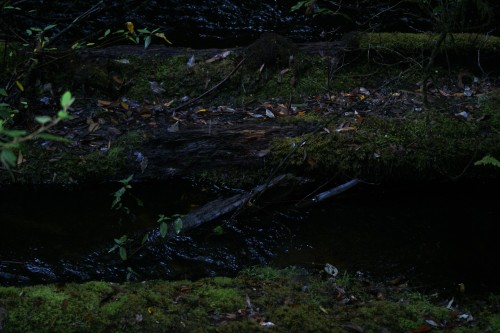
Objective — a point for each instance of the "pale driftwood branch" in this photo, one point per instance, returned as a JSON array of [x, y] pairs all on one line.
[[222, 206], [328, 194]]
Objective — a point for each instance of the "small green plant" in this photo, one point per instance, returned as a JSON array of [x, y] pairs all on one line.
[[164, 220], [488, 160], [135, 36], [218, 230], [11, 139], [7, 113], [131, 273], [40, 35], [118, 203], [119, 245], [344, 280]]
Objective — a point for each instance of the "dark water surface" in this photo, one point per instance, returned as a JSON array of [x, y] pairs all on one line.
[[434, 236]]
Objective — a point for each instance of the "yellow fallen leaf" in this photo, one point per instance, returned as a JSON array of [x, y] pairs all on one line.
[[130, 27], [19, 85], [167, 104], [162, 35], [201, 110]]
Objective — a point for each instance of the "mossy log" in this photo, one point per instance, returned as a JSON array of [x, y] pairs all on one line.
[[415, 43]]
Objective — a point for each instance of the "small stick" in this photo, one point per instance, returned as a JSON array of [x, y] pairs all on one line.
[[211, 89]]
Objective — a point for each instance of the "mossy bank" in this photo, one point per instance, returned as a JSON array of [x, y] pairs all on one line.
[[258, 299]]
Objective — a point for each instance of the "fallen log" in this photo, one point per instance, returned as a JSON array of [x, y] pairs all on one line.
[[221, 206], [328, 194]]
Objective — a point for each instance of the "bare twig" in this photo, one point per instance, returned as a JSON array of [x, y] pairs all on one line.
[[211, 89], [89, 12]]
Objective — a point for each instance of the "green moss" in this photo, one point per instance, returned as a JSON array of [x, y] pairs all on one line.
[[389, 148], [267, 273], [292, 300], [415, 42], [305, 76], [302, 318], [490, 108], [66, 166], [177, 80], [218, 295]]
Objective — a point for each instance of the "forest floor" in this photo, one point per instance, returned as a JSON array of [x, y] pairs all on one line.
[[217, 115]]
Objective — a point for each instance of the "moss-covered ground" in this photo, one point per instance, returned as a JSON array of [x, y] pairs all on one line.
[[359, 112], [258, 299]]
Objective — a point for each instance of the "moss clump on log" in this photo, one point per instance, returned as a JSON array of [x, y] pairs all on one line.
[[408, 149], [413, 43]]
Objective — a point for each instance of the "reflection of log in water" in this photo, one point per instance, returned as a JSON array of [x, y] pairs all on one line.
[[222, 206]]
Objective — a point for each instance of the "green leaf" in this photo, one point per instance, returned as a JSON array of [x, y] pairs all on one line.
[[488, 160], [43, 119], [178, 225], [50, 26], [163, 229], [3, 93], [63, 115], [8, 157], [218, 230], [14, 133], [107, 32], [144, 239], [119, 192], [67, 100], [126, 180], [299, 5], [147, 41], [115, 203], [114, 247], [47, 136], [143, 31], [123, 253], [121, 240]]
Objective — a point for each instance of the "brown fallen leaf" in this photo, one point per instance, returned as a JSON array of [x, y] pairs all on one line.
[[101, 102]]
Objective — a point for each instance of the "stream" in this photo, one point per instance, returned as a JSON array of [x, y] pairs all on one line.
[[433, 237]]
